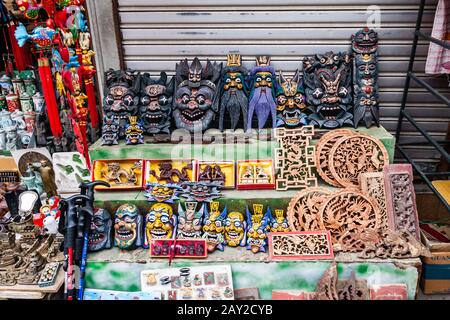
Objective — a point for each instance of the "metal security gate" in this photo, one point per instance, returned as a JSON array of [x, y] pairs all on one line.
[[155, 34]]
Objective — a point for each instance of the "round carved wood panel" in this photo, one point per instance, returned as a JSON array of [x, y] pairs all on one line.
[[323, 148], [349, 210], [355, 154], [303, 210]]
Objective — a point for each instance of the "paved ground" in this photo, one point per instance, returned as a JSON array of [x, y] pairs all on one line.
[[421, 296]]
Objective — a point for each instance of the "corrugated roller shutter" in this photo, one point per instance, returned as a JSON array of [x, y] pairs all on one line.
[[157, 33]]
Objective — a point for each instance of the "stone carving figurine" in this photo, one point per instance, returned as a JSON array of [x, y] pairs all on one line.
[[48, 178], [155, 107], [262, 95], [291, 100], [328, 89], [234, 93], [12, 138], [196, 94], [365, 74]]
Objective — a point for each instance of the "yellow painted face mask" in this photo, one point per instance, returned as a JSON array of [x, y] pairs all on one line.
[[234, 229], [159, 222]]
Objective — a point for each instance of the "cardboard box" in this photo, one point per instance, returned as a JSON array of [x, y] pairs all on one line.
[[436, 273]]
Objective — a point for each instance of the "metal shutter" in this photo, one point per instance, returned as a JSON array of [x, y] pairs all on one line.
[[158, 33]]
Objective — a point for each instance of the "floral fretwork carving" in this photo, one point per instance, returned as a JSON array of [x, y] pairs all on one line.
[[300, 245], [355, 154], [349, 210], [295, 158], [372, 183], [303, 210]]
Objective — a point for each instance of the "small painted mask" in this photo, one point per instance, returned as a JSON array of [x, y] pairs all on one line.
[[213, 227], [156, 104], [200, 191], [365, 41], [110, 134], [190, 220], [258, 226], [291, 105], [128, 227], [235, 229], [100, 231], [279, 223], [160, 223], [133, 132], [166, 193]]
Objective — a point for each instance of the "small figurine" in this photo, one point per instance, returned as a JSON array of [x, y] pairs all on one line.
[[213, 227], [48, 178], [133, 131], [100, 231], [200, 191], [258, 226], [196, 95], [167, 193], [12, 139], [127, 227], [291, 100], [261, 175], [110, 131], [160, 223], [235, 229], [262, 95], [156, 103], [42, 37], [248, 177], [190, 220], [212, 174], [234, 93]]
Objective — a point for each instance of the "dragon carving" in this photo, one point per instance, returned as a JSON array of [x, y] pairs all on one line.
[[167, 172], [113, 173]]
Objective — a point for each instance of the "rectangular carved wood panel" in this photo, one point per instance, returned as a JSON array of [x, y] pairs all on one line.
[[401, 199], [372, 183]]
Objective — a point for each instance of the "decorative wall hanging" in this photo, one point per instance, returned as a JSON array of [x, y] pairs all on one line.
[[352, 155], [134, 132], [170, 171], [328, 89], [160, 223], [127, 227], [222, 173], [155, 107], [365, 77], [348, 210], [255, 174], [120, 174], [234, 93], [167, 193], [180, 248], [235, 229], [200, 191], [100, 236], [401, 199], [372, 183], [121, 96], [279, 223], [303, 209], [291, 100], [262, 100], [190, 220], [295, 158], [213, 227], [300, 245], [70, 171], [258, 226], [196, 94], [323, 148]]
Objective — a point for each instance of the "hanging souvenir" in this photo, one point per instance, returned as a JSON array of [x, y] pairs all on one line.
[[160, 223], [328, 89], [234, 93], [235, 229], [262, 101], [190, 220], [365, 76], [257, 228], [291, 102], [155, 107], [127, 227], [100, 231], [42, 37], [213, 226], [196, 94]]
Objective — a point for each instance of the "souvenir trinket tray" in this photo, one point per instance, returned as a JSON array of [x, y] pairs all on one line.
[[222, 173], [120, 174], [255, 174], [180, 248]]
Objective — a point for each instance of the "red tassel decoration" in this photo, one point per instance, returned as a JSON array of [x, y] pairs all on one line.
[[45, 74], [92, 103], [21, 55]]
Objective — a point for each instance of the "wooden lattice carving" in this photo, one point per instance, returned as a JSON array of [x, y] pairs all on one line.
[[295, 158], [303, 210], [352, 155], [372, 183], [323, 148], [401, 199], [349, 210], [300, 245]]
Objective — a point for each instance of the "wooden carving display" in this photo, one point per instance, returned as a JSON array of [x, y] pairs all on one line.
[[372, 183], [323, 148], [300, 245], [401, 199], [327, 287], [295, 158], [349, 210], [352, 155], [303, 210]]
